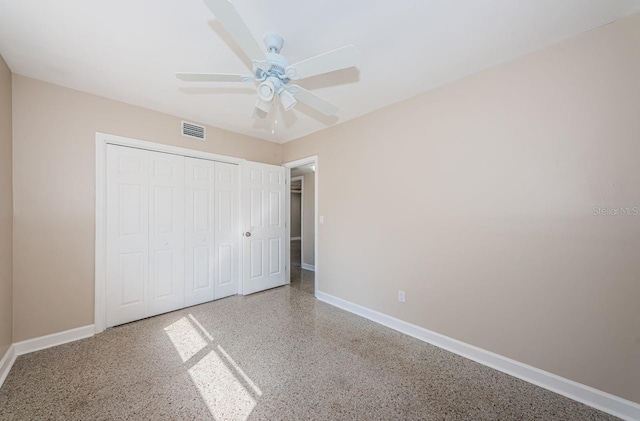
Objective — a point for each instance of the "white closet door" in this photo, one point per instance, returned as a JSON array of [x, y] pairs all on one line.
[[263, 206], [172, 232], [227, 233], [199, 231], [127, 229], [166, 232]]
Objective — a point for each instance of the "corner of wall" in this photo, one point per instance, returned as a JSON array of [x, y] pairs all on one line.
[[6, 208], [13, 208]]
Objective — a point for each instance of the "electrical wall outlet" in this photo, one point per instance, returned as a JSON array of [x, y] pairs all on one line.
[[401, 297]]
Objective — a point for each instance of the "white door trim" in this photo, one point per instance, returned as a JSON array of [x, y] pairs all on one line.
[[297, 163], [102, 139]]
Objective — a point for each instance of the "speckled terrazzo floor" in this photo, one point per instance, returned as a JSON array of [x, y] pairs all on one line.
[[279, 354], [296, 257]]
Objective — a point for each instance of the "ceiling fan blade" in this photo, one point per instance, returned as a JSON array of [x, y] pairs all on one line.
[[341, 58], [228, 15], [261, 109], [313, 100], [213, 77]]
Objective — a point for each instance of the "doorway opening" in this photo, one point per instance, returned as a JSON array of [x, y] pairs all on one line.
[[303, 224], [297, 199]]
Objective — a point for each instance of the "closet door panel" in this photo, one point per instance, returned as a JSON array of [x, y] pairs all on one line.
[[172, 232], [166, 232], [127, 295], [226, 229], [199, 230]]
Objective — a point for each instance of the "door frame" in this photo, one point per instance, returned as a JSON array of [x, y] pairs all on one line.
[[289, 165], [101, 142]]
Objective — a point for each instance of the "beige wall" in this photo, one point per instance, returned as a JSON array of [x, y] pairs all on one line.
[[6, 210], [54, 177], [477, 200], [308, 219]]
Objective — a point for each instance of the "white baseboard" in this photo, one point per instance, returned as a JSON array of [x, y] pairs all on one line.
[[595, 398], [42, 342], [6, 363], [55, 339], [308, 267], [296, 238]]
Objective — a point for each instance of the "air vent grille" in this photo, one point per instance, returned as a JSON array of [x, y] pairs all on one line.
[[194, 131]]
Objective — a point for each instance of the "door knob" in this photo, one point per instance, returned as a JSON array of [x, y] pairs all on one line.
[[247, 234]]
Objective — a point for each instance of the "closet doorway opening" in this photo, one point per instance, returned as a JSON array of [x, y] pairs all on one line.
[[303, 224], [297, 199]]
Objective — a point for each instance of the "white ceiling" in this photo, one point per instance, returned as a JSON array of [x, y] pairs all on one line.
[[128, 50]]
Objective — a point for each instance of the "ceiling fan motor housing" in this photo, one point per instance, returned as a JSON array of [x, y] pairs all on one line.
[[277, 63], [274, 42]]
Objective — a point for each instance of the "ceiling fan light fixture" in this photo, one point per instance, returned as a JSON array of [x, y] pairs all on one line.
[[263, 105], [259, 114], [287, 100], [266, 90], [271, 70]]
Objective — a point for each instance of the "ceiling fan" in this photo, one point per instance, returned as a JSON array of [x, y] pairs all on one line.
[[271, 70]]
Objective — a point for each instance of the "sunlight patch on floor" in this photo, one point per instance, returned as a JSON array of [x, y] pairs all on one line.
[[246, 378], [197, 323], [220, 389], [185, 338], [224, 387]]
